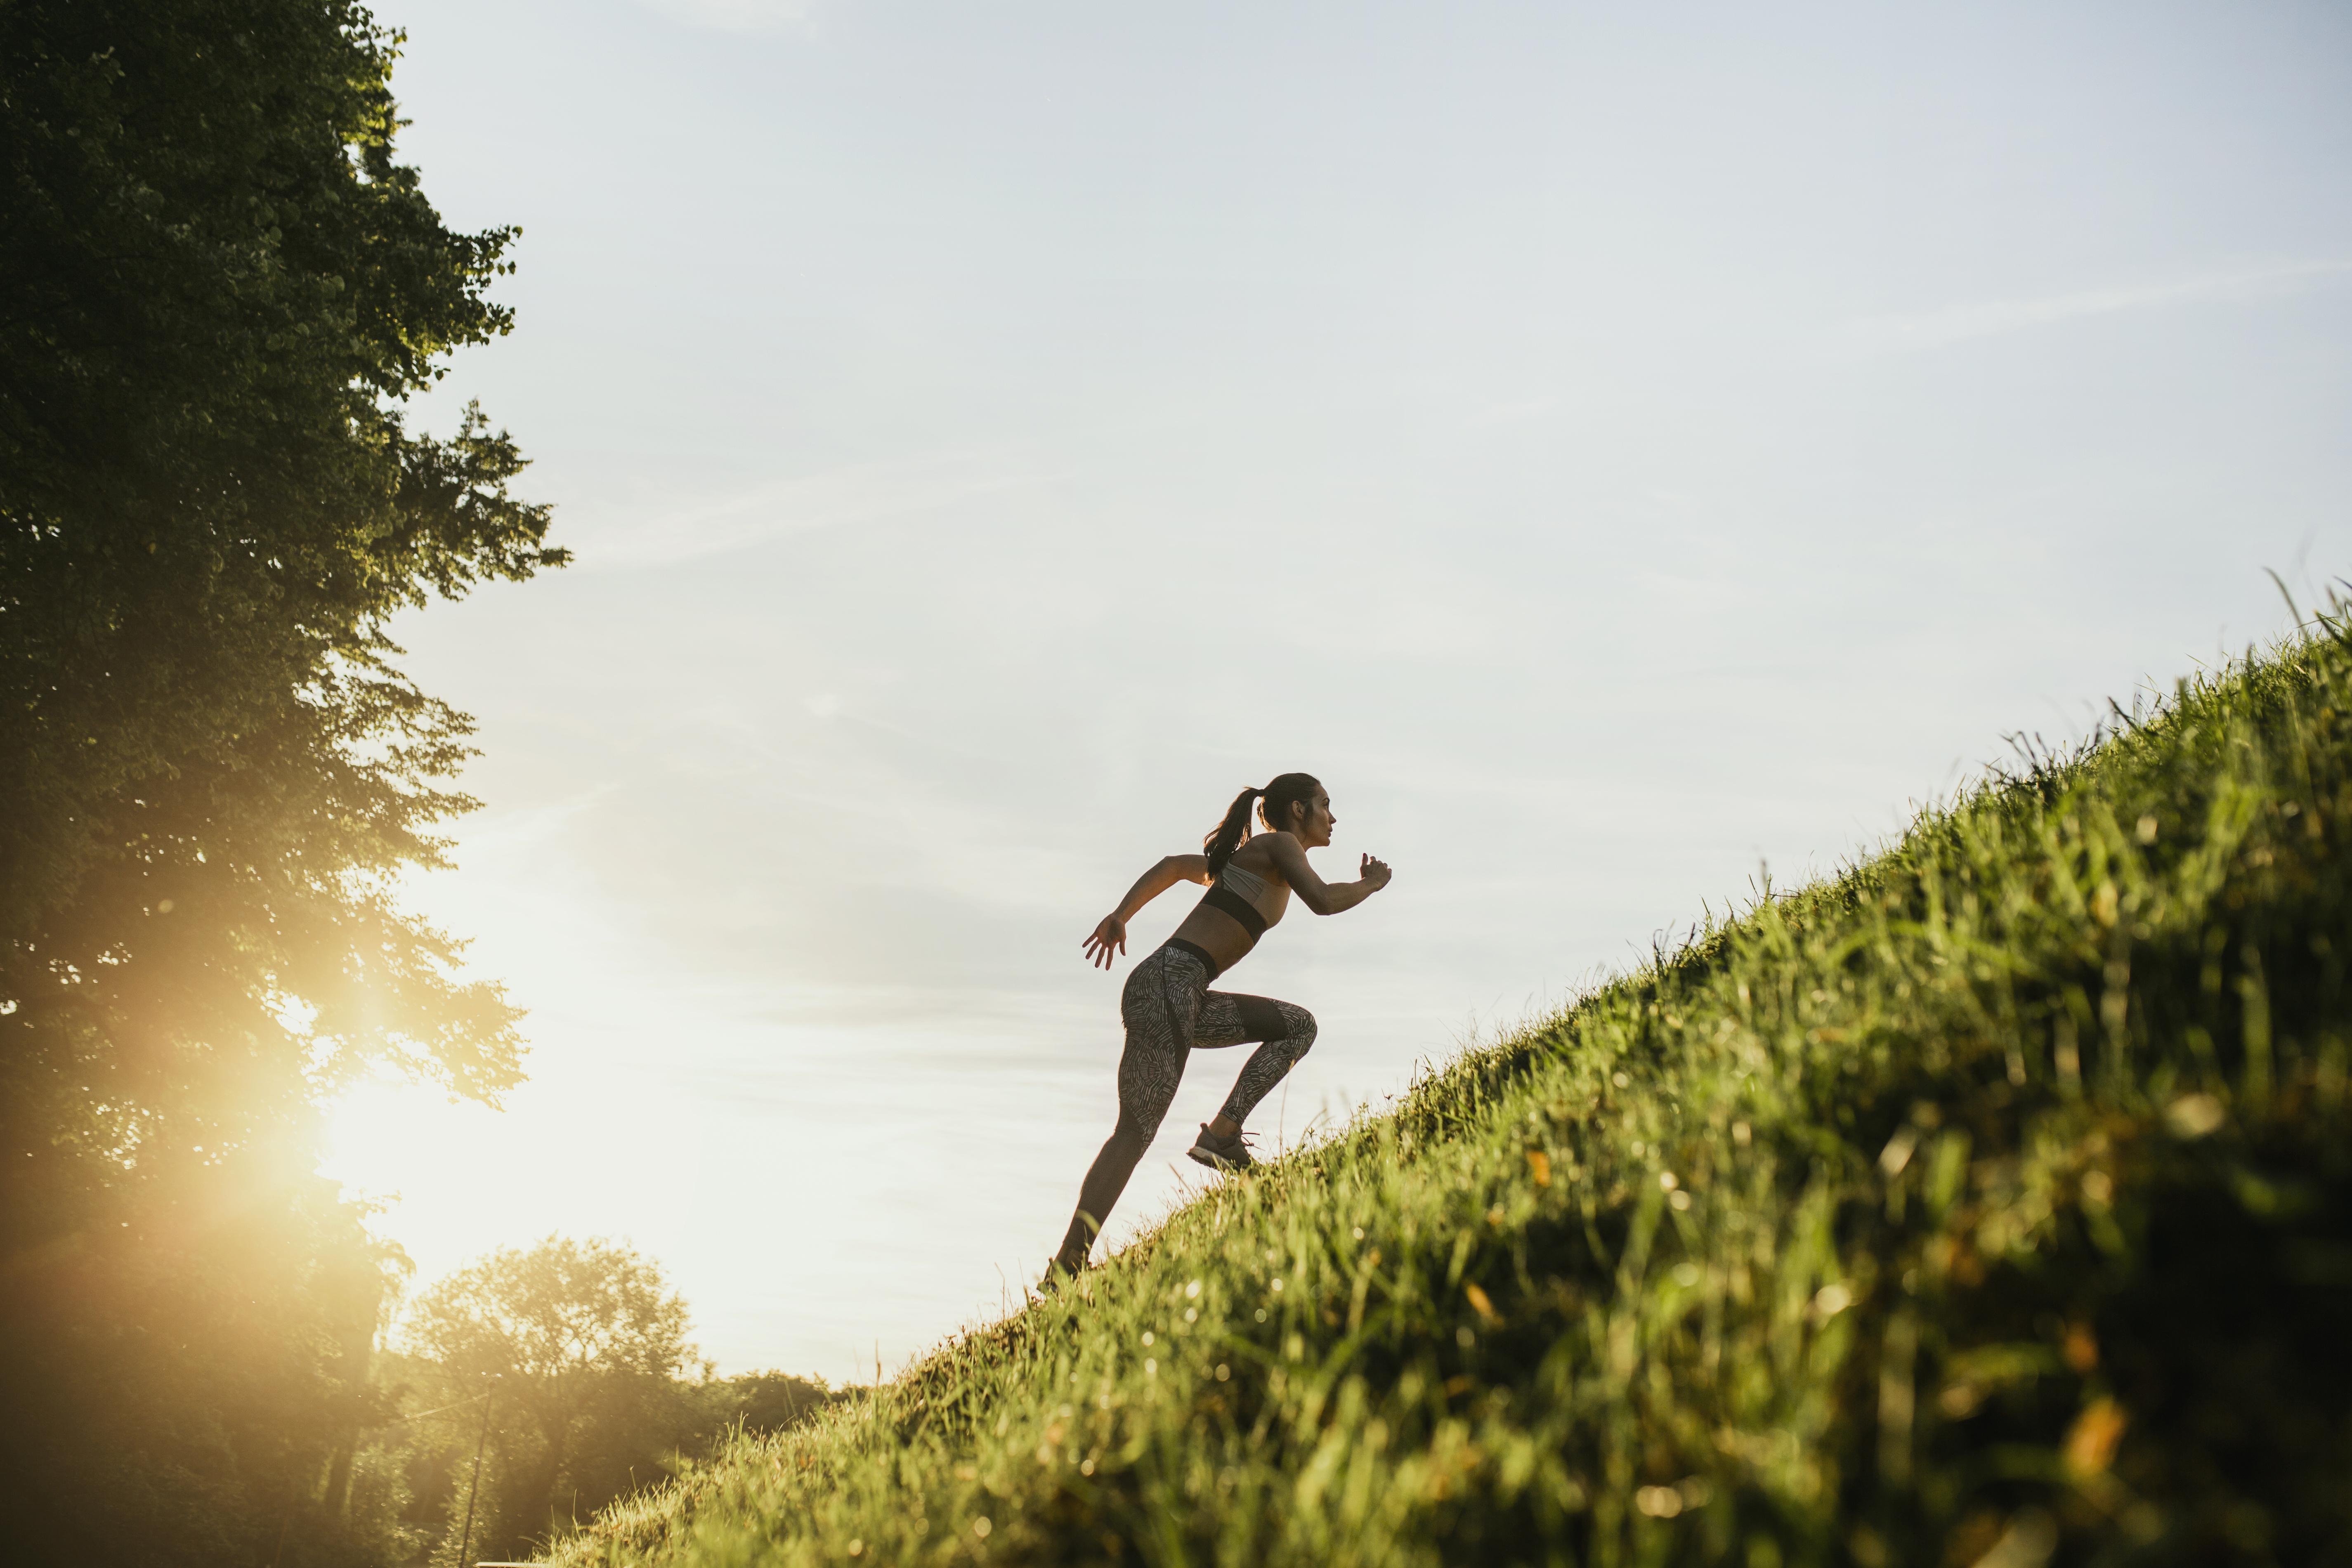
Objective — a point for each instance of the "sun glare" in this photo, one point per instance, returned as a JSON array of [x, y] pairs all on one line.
[[437, 1168]]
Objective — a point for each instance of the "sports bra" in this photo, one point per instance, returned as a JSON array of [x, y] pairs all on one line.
[[1233, 894]]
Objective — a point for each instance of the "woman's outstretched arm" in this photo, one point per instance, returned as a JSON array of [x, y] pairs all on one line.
[[1111, 935], [1314, 893]]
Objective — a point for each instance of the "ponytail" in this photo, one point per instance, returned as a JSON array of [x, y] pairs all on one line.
[[1273, 809], [1230, 833]]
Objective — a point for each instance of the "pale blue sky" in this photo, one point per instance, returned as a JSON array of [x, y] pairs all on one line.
[[1612, 446]]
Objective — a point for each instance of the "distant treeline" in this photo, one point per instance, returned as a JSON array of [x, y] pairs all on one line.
[[218, 285], [416, 1479], [536, 1386]]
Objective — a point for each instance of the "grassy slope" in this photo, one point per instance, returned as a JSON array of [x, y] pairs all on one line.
[[1991, 1197]]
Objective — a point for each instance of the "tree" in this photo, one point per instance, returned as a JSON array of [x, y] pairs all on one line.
[[759, 1402], [218, 285], [584, 1341], [416, 1474]]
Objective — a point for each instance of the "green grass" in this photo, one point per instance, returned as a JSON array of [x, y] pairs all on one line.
[[1994, 1196]]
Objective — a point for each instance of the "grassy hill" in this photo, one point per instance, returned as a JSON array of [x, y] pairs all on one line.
[[1988, 1204]]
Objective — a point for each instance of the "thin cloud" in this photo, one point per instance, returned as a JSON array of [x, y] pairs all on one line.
[[835, 498], [1958, 324]]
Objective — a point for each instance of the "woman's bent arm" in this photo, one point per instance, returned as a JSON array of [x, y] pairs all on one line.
[[1110, 936], [1314, 893]]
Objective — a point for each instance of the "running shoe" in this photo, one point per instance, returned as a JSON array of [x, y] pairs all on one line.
[[1058, 1273], [1222, 1154]]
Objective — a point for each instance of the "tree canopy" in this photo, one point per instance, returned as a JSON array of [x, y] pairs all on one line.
[[218, 288], [583, 1342], [565, 1366]]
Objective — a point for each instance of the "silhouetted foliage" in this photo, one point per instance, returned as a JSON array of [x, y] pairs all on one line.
[[582, 1343], [761, 1401], [577, 1349], [216, 284]]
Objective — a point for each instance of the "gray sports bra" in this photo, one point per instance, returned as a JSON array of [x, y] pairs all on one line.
[[1248, 884], [1234, 893]]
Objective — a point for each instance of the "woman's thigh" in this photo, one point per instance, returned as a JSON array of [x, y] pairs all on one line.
[[1230, 1018], [1161, 1007]]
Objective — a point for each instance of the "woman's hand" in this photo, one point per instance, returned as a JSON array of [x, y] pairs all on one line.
[[1376, 872], [1109, 937]]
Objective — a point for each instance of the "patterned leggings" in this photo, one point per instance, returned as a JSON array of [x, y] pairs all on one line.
[[1169, 1009]]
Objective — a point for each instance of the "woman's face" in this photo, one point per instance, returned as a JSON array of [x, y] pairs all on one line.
[[1311, 821]]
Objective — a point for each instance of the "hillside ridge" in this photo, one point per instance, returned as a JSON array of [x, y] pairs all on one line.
[[1986, 1201]]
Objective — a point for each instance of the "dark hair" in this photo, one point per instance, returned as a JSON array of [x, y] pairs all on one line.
[[1273, 803]]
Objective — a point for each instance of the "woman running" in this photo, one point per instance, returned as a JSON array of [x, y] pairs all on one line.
[[1168, 1007]]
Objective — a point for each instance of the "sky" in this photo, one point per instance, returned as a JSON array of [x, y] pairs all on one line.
[[1623, 451]]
